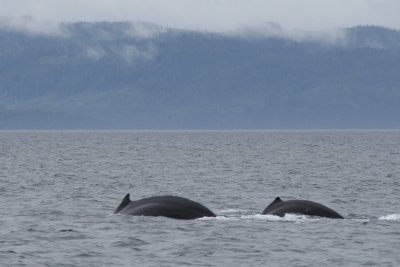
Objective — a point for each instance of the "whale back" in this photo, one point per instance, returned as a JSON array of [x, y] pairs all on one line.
[[305, 207], [166, 206], [125, 202]]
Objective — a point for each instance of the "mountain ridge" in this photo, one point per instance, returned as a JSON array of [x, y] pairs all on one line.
[[142, 76]]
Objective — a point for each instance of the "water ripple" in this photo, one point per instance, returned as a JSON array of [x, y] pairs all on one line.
[[59, 189]]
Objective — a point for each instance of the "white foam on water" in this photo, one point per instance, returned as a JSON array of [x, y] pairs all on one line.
[[391, 217], [222, 218], [261, 217], [360, 220], [287, 218], [231, 211]]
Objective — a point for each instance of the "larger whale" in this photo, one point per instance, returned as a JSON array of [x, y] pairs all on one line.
[[167, 206], [280, 208]]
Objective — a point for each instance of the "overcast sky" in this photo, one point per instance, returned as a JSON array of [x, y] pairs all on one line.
[[215, 15]]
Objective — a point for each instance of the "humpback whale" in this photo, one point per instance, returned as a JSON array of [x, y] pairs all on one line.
[[280, 208], [167, 206]]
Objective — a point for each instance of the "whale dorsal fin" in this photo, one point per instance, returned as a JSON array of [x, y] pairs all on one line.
[[273, 203], [125, 201], [127, 198]]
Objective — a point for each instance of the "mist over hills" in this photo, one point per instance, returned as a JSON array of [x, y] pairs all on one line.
[[119, 75]]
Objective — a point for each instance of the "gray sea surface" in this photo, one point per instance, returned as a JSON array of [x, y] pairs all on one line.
[[58, 191]]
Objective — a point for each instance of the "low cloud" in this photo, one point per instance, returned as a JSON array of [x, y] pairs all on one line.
[[32, 26], [93, 52], [214, 15], [147, 31], [130, 53], [139, 39], [275, 30], [141, 30], [126, 52]]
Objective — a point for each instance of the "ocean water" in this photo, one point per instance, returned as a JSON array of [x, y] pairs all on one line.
[[58, 191]]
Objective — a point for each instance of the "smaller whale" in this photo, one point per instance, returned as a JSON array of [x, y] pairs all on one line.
[[167, 206], [279, 208]]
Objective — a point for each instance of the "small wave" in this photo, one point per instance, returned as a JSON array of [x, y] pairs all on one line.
[[391, 217], [67, 230], [131, 241], [359, 217]]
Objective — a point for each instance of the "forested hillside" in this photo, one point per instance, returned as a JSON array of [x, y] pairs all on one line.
[[142, 76]]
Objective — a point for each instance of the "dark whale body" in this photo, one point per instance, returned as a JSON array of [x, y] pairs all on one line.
[[167, 206], [280, 208]]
